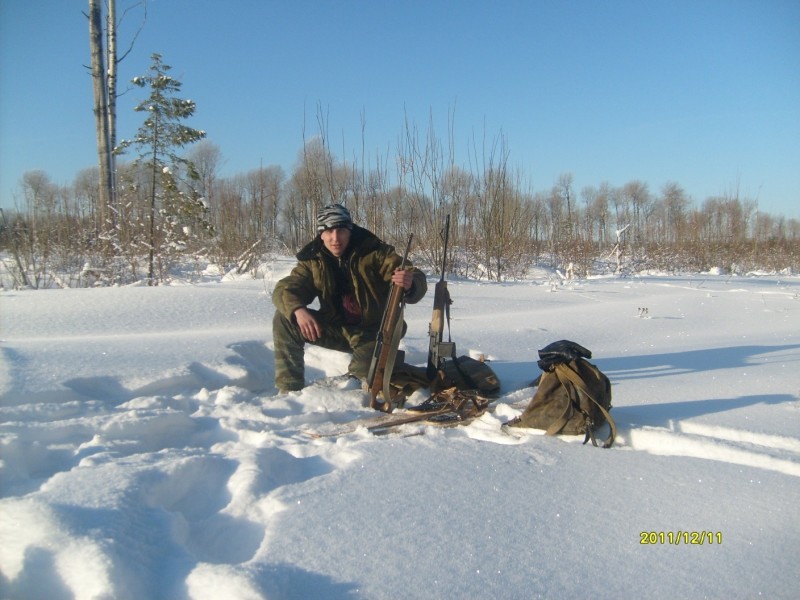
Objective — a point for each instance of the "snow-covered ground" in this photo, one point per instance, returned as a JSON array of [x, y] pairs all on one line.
[[145, 454]]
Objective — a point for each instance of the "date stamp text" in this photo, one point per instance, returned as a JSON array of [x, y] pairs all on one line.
[[678, 538]]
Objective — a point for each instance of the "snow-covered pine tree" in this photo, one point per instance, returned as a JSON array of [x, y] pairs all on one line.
[[176, 212]]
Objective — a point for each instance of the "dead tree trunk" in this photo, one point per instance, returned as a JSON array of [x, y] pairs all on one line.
[[111, 47], [101, 119]]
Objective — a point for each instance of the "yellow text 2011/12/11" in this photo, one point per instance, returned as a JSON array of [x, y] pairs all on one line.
[[677, 538]]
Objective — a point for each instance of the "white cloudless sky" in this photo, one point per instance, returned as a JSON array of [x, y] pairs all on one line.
[[704, 93]]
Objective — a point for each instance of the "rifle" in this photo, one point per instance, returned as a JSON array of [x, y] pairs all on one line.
[[439, 350], [383, 358]]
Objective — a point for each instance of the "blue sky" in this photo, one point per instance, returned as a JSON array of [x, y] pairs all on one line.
[[705, 93]]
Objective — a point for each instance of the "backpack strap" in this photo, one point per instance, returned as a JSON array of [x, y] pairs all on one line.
[[569, 410], [566, 375], [447, 317], [573, 404]]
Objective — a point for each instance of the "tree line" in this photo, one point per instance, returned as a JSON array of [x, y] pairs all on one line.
[[180, 212], [167, 208]]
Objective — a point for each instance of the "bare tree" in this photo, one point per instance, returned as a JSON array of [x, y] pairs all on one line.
[[564, 189], [675, 203], [207, 158], [104, 69], [311, 188], [600, 211], [421, 168], [101, 108]]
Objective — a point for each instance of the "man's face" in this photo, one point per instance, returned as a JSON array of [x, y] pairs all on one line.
[[336, 240]]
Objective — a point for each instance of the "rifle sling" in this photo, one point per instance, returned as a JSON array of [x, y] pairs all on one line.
[[447, 304]]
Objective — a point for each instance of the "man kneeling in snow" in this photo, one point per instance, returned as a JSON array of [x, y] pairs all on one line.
[[351, 272]]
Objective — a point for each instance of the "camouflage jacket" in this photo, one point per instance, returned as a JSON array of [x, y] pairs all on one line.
[[367, 265]]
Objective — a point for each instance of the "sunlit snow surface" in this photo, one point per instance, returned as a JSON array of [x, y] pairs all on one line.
[[146, 454]]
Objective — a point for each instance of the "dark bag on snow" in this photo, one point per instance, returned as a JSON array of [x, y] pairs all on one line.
[[467, 373], [573, 396]]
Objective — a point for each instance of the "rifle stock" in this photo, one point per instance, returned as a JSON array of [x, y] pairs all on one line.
[[382, 364]]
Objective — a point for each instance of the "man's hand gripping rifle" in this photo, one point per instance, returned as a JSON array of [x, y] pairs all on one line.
[[438, 350], [383, 358]]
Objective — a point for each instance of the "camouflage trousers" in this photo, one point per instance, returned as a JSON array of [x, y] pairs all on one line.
[[290, 345], [290, 354]]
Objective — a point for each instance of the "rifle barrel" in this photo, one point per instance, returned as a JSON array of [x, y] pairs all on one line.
[[408, 247], [444, 251]]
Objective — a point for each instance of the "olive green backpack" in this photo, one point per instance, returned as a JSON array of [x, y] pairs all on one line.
[[573, 396]]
